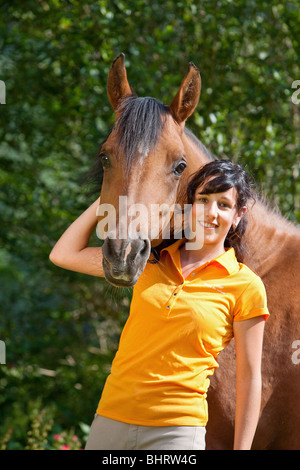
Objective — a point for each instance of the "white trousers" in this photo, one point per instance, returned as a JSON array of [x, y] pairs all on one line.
[[109, 434]]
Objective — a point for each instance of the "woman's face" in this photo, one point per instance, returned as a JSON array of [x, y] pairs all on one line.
[[215, 213]]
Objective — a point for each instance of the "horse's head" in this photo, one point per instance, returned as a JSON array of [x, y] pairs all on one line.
[[146, 160]]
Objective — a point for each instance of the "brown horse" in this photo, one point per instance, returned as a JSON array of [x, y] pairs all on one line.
[[148, 158], [274, 254]]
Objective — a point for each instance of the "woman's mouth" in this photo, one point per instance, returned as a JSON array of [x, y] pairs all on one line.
[[208, 225]]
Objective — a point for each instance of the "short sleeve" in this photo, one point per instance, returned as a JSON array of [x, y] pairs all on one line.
[[252, 302]]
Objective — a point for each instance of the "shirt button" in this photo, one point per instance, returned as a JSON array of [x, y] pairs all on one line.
[[168, 306], [193, 274], [175, 293]]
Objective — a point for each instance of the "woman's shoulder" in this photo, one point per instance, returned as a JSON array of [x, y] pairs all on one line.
[[249, 277], [251, 296]]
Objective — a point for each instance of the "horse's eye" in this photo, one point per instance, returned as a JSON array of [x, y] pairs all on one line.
[[180, 169], [104, 160]]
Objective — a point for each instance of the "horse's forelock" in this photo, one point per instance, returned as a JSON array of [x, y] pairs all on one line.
[[139, 126]]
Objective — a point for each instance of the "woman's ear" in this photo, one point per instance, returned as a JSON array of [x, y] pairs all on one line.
[[242, 211]]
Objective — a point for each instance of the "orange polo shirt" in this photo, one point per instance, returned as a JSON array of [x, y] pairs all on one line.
[[170, 343]]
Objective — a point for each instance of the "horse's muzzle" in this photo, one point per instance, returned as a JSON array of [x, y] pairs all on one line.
[[124, 260]]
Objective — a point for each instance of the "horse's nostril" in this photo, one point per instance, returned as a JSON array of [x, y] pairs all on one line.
[[140, 248], [145, 248]]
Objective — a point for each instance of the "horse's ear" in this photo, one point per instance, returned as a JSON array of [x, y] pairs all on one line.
[[117, 83], [187, 98]]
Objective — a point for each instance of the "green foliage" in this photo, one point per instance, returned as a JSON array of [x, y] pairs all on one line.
[[61, 328]]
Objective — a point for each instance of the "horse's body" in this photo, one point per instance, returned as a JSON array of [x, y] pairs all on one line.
[[274, 254], [145, 160]]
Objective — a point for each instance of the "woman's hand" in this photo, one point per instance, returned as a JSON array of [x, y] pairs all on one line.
[[71, 251]]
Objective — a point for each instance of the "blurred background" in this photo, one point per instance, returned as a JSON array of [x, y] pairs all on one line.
[[61, 329]]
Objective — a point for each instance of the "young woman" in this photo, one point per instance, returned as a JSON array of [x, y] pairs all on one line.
[[184, 311]]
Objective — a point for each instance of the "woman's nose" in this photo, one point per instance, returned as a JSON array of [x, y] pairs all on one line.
[[212, 209]]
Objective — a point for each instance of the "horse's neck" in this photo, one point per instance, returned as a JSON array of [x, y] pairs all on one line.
[[268, 235]]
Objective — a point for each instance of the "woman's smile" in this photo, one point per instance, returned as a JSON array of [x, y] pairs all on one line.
[[208, 225]]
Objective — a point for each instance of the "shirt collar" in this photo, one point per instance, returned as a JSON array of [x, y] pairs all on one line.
[[227, 260]]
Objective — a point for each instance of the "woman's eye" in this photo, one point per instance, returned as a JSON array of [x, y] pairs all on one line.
[[224, 205], [180, 169], [105, 160], [202, 200]]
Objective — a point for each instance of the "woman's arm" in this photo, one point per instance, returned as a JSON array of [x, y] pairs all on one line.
[[248, 342], [71, 251]]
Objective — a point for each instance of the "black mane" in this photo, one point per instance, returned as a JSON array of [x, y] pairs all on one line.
[[199, 144], [140, 124], [139, 127]]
